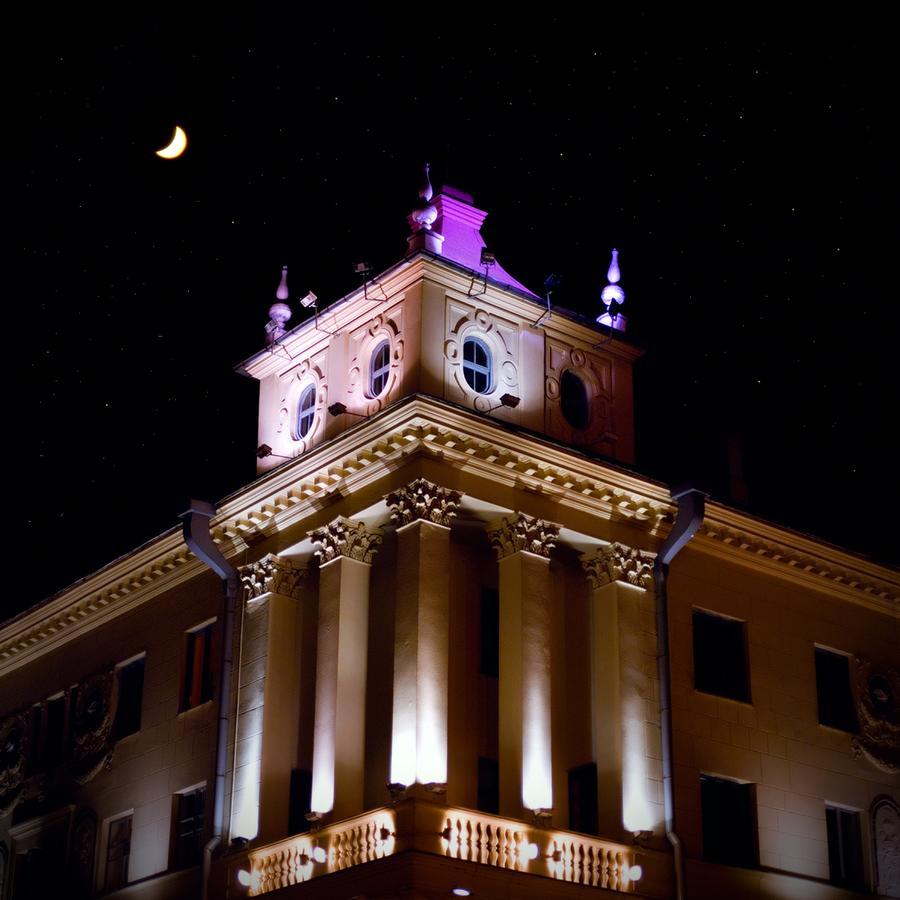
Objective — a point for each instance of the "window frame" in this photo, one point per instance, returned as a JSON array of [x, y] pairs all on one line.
[[476, 368], [178, 861], [308, 413], [103, 878], [121, 667], [846, 719], [566, 377], [733, 843], [706, 687], [382, 371], [189, 667], [854, 880]]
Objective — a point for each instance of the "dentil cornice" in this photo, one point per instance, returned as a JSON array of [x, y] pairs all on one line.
[[272, 575], [345, 537], [514, 534], [616, 562], [423, 500]]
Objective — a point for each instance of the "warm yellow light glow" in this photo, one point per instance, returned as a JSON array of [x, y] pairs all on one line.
[[637, 814], [537, 773], [176, 145], [403, 746], [245, 810]]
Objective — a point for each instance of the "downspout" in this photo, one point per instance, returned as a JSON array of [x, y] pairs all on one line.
[[197, 536], [691, 504]]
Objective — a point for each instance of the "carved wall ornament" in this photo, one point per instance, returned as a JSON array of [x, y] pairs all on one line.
[[14, 736], [886, 841], [617, 562], [95, 712], [345, 537], [81, 854], [272, 574], [523, 533], [423, 500], [878, 712]]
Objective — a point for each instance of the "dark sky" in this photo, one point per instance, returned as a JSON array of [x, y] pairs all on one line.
[[748, 178]]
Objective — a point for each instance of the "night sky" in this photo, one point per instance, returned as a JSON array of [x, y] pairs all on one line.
[[749, 182]]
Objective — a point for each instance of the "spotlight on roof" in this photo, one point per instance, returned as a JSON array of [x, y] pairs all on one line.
[[337, 409], [309, 300], [487, 258], [552, 281], [461, 892], [362, 268], [243, 876], [263, 450], [319, 855], [509, 400]]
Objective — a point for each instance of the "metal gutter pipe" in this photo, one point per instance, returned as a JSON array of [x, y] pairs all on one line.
[[195, 528], [691, 505]]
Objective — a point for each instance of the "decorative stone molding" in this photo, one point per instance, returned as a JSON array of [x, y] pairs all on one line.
[[616, 562], [423, 500], [878, 712], [14, 738], [274, 575], [886, 838], [520, 533], [345, 537]]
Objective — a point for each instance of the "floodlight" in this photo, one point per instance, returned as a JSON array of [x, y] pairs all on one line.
[[309, 300]]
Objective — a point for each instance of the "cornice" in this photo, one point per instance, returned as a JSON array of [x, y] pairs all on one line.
[[362, 455]]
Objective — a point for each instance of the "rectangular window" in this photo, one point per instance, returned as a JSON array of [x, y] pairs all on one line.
[[198, 663], [583, 798], [189, 828], [118, 850], [729, 822], [131, 693], [845, 863], [720, 656], [489, 655], [833, 690], [488, 785]]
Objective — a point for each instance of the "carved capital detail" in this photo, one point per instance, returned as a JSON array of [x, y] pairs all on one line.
[[617, 562], [345, 537], [421, 499], [272, 574], [520, 532]]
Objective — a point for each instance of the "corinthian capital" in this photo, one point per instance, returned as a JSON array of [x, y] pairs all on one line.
[[345, 537], [272, 574], [423, 500], [616, 562], [520, 532]]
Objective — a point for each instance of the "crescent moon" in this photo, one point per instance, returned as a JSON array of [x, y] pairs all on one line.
[[176, 146]]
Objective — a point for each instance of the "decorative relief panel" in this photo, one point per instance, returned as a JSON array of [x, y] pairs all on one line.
[[272, 574], [14, 738], [345, 537], [309, 373], [423, 500], [886, 838], [386, 326], [878, 712], [595, 373], [523, 533], [502, 339], [616, 562], [95, 712]]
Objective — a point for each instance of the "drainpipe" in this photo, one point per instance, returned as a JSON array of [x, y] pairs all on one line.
[[691, 503], [197, 536]]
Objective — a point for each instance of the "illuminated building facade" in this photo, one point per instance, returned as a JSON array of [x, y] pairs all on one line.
[[464, 647]]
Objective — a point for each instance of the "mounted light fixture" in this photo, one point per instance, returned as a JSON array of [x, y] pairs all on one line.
[[488, 259], [263, 451], [309, 300], [339, 409], [510, 401]]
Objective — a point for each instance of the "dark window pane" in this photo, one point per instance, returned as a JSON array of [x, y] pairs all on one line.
[[720, 657], [477, 365], [488, 785], [729, 822], [118, 850], [583, 798], [574, 400], [131, 692], [300, 801], [833, 690], [307, 411], [489, 661], [189, 829], [381, 367], [844, 848]]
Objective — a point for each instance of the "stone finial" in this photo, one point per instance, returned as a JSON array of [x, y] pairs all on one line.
[[616, 562], [282, 292], [274, 575], [523, 533], [345, 537], [613, 296], [423, 500], [422, 218]]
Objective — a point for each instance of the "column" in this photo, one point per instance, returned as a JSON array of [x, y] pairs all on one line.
[[423, 513], [268, 686], [623, 657], [345, 550], [523, 547]]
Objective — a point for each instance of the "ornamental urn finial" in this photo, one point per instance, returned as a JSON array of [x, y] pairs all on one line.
[[422, 218], [279, 312]]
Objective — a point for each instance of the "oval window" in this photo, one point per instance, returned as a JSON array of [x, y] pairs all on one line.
[[573, 398], [307, 411], [380, 369], [477, 365]]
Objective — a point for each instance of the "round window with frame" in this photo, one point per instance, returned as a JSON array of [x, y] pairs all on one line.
[[380, 368], [477, 365], [574, 401], [306, 411]]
